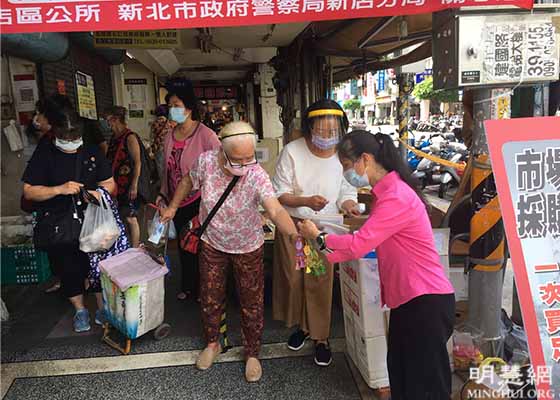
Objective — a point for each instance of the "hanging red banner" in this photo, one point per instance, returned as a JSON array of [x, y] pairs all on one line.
[[30, 16]]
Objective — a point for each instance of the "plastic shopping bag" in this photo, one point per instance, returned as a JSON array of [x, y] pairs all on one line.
[[100, 229], [172, 235], [157, 231]]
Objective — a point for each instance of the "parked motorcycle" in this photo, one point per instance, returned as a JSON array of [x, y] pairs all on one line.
[[431, 173]]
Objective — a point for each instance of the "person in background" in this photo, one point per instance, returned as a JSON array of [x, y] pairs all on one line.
[[50, 182], [124, 154], [160, 129], [413, 281], [182, 147], [309, 183], [234, 236]]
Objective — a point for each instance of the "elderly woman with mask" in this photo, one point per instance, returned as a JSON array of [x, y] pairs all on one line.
[[309, 183], [182, 147], [54, 178], [234, 236]]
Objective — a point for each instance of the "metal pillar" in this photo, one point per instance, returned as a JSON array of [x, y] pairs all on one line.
[[487, 237], [406, 85]]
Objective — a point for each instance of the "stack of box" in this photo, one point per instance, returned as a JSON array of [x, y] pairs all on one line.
[[365, 321]]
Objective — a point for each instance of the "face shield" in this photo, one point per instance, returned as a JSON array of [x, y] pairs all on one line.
[[327, 128]]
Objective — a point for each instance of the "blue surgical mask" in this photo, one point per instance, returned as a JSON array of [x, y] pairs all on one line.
[[356, 180], [324, 144], [177, 114]]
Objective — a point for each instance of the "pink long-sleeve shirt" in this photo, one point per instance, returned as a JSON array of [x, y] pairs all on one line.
[[400, 231]]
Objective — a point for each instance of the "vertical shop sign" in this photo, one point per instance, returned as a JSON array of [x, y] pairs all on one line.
[[526, 163], [381, 81], [87, 107]]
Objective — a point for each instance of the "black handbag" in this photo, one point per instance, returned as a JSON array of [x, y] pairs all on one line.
[[59, 228]]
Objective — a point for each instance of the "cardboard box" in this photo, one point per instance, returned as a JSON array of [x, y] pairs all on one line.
[[350, 336], [371, 360], [361, 296]]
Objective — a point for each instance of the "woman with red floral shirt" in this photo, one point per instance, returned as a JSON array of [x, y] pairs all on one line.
[[124, 154]]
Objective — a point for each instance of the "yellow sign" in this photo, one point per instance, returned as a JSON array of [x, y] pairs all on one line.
[[168, 39], [86, 96]]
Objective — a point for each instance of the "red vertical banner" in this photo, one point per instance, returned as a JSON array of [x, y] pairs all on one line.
[[525, 157]]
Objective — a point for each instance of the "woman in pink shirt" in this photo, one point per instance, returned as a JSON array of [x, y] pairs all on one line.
[[413, 281], [182, 147]]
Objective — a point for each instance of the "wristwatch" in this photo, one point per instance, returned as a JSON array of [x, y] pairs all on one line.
[[320, 240]]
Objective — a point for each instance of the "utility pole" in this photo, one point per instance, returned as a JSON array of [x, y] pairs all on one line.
[[487, 236], [406, 85]]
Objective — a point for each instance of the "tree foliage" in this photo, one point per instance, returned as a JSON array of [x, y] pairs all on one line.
[[425, 91], [352, 105]]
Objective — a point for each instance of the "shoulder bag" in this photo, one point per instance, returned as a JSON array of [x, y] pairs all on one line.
[[190, 239], [60, 228]]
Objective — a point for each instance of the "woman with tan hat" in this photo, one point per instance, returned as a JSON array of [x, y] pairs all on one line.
[[309, 184], [234, 235]]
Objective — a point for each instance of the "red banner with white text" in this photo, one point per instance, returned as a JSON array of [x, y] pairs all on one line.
[[29, 16]]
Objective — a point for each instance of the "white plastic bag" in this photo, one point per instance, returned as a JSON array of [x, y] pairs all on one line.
[[14, 136], [99, 230], [172, 235], [157, 230]]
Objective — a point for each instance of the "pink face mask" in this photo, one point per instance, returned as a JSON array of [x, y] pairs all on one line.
[[237, 171]]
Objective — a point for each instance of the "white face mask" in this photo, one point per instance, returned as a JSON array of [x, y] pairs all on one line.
[[68, 145]]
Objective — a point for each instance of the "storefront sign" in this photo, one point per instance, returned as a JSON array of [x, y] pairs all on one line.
[[381, 81], [511, 49], [526, 163], [86, 96], [25, 91], [138, 39], [501, 106], [23, 16]]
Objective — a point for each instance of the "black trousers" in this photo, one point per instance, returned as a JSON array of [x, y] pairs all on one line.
[[190, 276], [417, 359], [72, 267]]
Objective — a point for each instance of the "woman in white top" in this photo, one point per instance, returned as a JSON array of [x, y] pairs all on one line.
[[309, 183]]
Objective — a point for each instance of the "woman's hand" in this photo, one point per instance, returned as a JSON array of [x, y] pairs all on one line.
[[316, 203], [167, 214], [308, 229], [351, 209], [133, 193], [95, 194], [69, 188]]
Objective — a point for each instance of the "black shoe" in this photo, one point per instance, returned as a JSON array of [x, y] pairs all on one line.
[[323, 355], [297, 340]]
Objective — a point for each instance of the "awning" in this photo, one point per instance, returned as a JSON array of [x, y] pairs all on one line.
[[31, 16]]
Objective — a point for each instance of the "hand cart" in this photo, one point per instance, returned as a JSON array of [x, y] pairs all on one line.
[[140, 308]]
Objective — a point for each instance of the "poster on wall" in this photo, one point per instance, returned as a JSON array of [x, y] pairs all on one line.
[[526, 163], [25, 91], [86, 96]]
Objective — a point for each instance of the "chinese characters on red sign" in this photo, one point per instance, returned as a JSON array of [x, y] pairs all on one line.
[[21, 16], [526, 162]]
